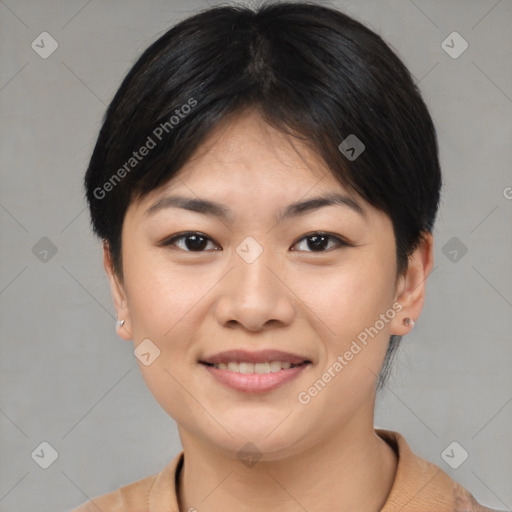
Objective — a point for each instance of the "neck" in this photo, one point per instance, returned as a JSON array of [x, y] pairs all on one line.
[[351, 470]]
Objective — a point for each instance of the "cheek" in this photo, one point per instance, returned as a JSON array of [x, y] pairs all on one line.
[[350, 297], [354, 304], [166, 310], [163, 301], [160, 295]]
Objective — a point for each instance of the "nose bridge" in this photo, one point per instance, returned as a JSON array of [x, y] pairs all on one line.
[[253, 269], [256, 283], [253, 294]]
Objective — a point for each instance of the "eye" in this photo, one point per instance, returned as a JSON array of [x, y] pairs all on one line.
[[319, 242], [192, 241]]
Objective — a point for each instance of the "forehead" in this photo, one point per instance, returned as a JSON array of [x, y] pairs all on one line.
[[245, 155], [247, 173]]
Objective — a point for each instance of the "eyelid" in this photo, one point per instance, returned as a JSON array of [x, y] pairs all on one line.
[[341, 242], [169, 241]]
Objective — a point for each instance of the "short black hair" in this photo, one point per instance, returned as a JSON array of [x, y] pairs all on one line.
[[310, 71]]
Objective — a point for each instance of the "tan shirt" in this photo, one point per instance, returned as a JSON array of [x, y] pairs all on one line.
[[419, 486]]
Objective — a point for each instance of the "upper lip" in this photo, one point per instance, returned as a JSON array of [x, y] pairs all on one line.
[[261, 356]]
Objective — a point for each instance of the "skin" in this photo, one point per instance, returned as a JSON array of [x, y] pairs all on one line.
[[192, 304]]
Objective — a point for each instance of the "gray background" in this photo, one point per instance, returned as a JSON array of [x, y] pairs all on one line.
[[65, 376]]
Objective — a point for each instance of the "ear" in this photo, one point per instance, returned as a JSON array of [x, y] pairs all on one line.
[[412, 285], [118, 294]]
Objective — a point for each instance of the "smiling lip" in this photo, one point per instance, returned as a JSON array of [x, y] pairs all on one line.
[[261, 356], [254, 382]]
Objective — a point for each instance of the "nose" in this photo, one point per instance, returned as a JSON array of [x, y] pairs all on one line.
[[255, 295]]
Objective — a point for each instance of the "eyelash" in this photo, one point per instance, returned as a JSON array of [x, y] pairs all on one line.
[[340, 242]]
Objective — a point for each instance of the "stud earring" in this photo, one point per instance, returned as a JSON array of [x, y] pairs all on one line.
[[408, 321], [119, 324]]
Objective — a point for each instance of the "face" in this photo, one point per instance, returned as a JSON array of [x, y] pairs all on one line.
[[317, 282]]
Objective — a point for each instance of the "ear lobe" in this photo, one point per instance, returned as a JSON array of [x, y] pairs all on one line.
[[412, 287], [118, 294]]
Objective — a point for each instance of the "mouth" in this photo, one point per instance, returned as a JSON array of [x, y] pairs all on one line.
[[259, 368], [254, 372], [261, 362]]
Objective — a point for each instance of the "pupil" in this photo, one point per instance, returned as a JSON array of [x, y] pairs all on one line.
[[319, 242], [198, 242]]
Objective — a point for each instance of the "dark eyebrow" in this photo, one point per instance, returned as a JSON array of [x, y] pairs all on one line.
[[218, 210]]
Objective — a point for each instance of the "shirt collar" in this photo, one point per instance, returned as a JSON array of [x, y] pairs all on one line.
[[418, 484]]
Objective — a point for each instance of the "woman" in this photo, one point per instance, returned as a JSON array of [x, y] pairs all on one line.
[[265, 184]]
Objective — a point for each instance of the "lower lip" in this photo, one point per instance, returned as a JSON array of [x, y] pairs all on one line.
[[254, 382]]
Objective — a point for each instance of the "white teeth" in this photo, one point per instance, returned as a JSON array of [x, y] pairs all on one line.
[[268, 367], [262, 368], [246, 367], [275, 366]]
